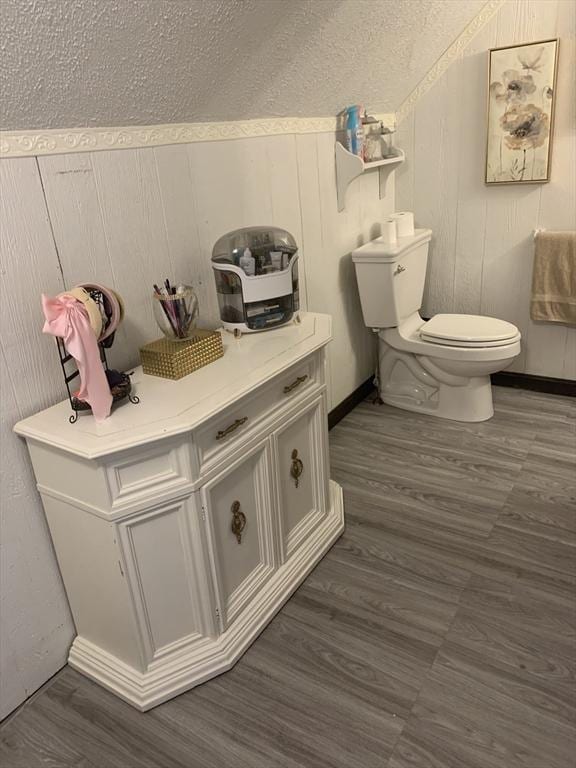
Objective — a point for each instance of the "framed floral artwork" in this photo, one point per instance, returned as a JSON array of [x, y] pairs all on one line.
[[521, 96]]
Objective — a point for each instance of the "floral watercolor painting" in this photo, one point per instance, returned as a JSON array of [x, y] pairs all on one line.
[[522, 82]]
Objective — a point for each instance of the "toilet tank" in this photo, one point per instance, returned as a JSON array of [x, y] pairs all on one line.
[[391, 278]]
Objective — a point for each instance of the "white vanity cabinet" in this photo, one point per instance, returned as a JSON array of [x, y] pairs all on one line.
[[182, 524]]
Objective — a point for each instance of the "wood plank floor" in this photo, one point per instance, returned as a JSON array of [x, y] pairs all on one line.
[[439, 632]]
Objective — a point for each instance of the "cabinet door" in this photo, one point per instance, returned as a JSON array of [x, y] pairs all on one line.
[[302, 474], [237, 506], [165, 560]]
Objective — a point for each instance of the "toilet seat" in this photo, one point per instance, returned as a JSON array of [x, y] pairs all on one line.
[[471, 331], [408, 338]]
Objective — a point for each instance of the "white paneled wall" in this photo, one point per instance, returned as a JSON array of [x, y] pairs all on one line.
[[35, 623], [481, 254], [129, 218], [132, 217]]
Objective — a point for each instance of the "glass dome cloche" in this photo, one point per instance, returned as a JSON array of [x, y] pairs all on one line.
[[256, 273]]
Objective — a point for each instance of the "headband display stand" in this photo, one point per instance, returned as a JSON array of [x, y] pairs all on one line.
[[123, 389]]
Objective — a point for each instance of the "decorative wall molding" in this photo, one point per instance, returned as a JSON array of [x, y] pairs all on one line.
[[448, 57], [63, 141], [71, 140]]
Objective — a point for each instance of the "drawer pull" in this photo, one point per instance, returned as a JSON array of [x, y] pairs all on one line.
[[296, 468], [296, 383], [222, 433], [238, 521]]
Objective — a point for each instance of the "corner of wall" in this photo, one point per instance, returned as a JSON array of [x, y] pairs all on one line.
[[454, 51]]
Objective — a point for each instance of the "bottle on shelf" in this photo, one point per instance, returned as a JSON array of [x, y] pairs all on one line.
[[354, 131], [248, 263]]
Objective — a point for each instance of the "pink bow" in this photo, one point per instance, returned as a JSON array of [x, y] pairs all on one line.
[[67, 318]]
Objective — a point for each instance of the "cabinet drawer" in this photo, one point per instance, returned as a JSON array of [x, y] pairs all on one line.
[[116, 484], [237, 506], [228, 428], [156, 471]]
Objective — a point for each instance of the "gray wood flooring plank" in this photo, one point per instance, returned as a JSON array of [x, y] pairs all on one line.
[[402, 604], [543, 499], [509, 433], [451, 460], [338, 702], [510, 636], [386, 550], [293, 699], [502, 691], [459, 722], [506, 549], [552, 415], [425, 491], [439, 631], [31, 740], [106, 730]]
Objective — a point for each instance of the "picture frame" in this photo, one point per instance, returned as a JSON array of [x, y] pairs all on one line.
[[520, 112]]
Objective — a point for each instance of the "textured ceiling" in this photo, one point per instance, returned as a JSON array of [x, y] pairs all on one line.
[[77, 63]]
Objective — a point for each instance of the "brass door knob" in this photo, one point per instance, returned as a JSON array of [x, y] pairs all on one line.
[[296, 468], [238, 521]]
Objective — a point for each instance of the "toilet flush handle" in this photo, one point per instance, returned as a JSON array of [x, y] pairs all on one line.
[[399, 269]]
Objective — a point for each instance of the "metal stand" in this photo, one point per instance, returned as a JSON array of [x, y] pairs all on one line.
[[75, 404]]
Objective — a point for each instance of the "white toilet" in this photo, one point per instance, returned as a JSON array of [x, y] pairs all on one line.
[[441, 366]]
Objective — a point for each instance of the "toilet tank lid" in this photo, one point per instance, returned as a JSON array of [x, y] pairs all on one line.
[[379, 250]]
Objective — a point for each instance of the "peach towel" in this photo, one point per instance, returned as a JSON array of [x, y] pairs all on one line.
[[554, 278], [67, 318]]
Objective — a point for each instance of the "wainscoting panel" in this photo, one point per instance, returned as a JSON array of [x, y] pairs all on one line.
[[36, 625]]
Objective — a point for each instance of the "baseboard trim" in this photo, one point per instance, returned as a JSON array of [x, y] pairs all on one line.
[[350, 402], [546, 384]]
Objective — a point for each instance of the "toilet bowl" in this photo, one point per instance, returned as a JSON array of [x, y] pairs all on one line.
[[447, 378], [441, 366]]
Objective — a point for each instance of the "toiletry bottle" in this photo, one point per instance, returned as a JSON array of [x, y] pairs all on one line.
[[276, 260], [354, 132], [247, 262]]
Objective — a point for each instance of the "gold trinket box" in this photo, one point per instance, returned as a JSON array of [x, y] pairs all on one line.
[[175, 359]]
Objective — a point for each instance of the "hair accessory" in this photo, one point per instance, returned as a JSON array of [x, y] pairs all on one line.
[[120, 301], [94, 315], [67, 318], [112, 309]]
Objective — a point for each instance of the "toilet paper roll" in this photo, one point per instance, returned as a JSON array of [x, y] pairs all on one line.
[[404, 223], [389, 231]]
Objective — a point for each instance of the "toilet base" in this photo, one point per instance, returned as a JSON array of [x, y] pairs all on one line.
[[469, 403], [417, 383]]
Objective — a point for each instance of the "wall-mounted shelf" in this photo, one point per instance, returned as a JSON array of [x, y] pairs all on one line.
[[349, 167]]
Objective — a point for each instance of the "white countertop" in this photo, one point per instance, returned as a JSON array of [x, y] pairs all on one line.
[[171, 407]]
